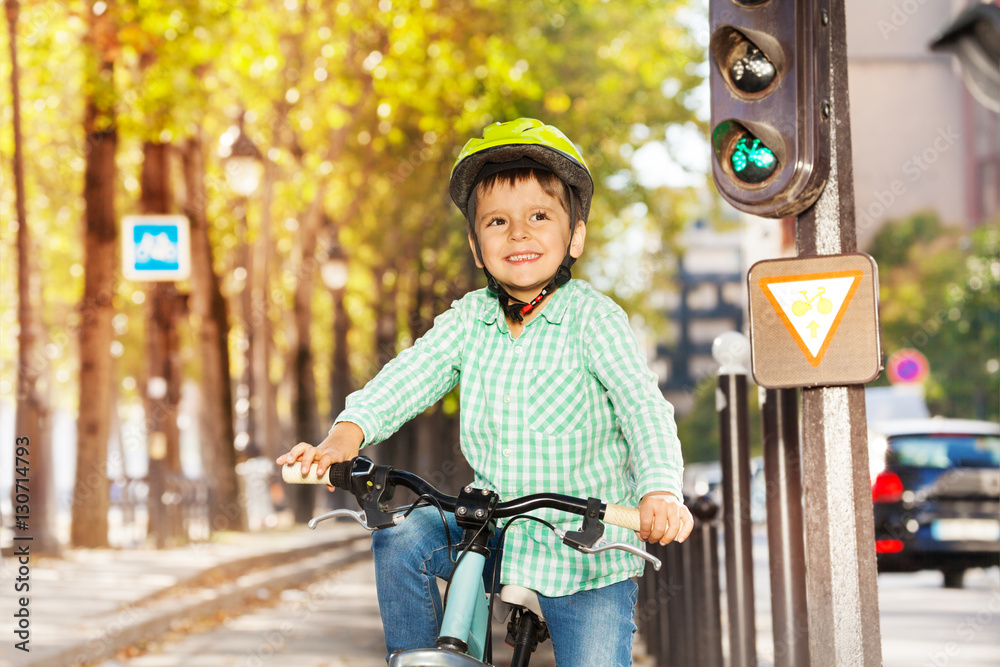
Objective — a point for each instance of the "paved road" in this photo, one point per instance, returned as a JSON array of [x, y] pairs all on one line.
[[923, 624]]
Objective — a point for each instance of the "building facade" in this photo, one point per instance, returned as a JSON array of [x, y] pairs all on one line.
[[920, 140]]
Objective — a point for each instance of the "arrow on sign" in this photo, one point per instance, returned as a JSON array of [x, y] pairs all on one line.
[[811, 306]]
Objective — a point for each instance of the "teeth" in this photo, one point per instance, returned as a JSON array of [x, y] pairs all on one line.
[[521, 258]]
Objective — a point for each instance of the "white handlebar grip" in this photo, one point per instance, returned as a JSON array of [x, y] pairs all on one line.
[[626, 517], [292, 474]]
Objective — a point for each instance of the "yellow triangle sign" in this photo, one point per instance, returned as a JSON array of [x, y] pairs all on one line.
[[811, 306]]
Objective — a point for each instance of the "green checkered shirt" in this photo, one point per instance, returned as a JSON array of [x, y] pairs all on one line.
[[568, 407]]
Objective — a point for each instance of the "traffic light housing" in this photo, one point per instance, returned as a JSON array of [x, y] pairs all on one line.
[[770, 83]]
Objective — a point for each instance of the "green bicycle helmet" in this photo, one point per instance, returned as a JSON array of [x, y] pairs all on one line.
[[509, 142], [522, 143]]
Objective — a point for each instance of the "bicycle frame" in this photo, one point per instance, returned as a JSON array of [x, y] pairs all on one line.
[[466, 619], [466, 614]]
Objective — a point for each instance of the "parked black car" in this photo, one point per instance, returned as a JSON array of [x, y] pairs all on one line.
[[936, 495]]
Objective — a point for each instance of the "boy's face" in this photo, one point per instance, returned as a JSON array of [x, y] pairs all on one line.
[[523, 233]]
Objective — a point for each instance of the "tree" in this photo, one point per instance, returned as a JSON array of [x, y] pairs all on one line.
[[32, 420], [170, 49], [211, 323], [163, 387], [306, 414], [939, 292], [91, 496], [698, 430]]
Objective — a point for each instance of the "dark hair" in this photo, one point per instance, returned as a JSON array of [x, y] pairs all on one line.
[[551, 184]]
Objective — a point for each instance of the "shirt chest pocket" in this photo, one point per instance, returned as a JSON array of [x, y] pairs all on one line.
[[559, 399]]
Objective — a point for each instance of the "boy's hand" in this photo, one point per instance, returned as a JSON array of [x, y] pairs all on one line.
[[663, 518], [342, 444]]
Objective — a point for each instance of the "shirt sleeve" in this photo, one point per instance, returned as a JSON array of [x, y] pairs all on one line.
[[416, 379], [644, 415]]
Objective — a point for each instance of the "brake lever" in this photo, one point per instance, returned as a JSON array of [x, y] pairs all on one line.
[[604, 545], [358, 516]]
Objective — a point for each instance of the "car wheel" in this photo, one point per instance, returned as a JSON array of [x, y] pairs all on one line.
[[953, 578]]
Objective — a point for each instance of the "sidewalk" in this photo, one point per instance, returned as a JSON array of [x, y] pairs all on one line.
[[89, 603]]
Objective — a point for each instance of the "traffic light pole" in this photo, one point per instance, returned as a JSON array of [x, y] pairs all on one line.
[[841, 576]]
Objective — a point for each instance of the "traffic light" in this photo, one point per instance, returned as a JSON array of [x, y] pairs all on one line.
[[770, 81]]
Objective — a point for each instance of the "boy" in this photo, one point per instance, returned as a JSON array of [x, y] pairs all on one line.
[[555, 397]]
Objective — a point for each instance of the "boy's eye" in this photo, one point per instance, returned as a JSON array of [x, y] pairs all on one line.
[[495, 221], [539, 215]]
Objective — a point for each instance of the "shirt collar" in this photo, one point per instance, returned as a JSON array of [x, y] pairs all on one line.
[[553, 311]]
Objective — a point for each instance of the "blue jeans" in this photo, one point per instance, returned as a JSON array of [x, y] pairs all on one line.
[[592, 628]]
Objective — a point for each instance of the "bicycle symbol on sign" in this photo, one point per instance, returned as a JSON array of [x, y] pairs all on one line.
[[804, 305]]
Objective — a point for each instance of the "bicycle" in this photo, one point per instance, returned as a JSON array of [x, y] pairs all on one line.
[[464, 638]]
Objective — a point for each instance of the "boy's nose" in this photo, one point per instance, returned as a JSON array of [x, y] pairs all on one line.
[[517, 230]]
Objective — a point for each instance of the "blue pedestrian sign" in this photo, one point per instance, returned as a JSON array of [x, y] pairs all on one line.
[[156, 247]]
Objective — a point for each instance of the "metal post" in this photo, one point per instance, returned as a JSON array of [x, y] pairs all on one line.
[[736, 513], [246, 308], [840, 551], [677, 630], [660, 623], [786, 549], [704, 548], [645, 616], [732, 351], [679, 612]]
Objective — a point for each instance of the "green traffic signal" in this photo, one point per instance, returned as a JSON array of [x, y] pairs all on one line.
[[752, 161]]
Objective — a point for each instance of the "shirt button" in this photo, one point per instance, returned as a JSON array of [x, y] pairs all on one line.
[[506, 452], [506, 399], [517, 349]]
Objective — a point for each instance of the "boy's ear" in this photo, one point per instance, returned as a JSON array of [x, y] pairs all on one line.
[[579, 236], [475, 255]]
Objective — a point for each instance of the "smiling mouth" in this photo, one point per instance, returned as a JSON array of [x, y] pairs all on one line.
[[525, 257]]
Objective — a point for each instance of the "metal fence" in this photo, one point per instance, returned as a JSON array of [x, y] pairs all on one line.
[[182, 510], [679, 612]]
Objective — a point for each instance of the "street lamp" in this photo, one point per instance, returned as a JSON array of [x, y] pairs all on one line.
[[334, 268], [974, 38], [244, 164], [334, 272], [244, 167]]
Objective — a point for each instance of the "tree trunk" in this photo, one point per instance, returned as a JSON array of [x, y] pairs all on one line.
[[396, 450], [163, 387], [341, 384], [305, 409], [264, 392], [340, 368], [33, 471], [211, 321], [91, 494]]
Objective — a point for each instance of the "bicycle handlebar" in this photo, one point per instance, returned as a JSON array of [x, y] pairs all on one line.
[[339, 475]]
